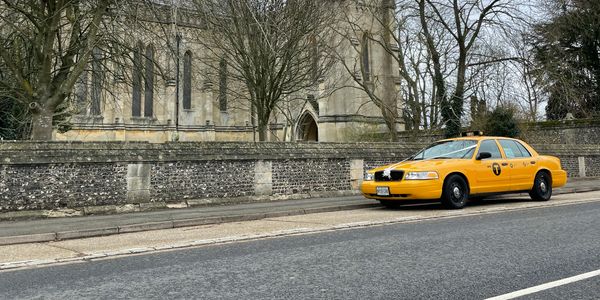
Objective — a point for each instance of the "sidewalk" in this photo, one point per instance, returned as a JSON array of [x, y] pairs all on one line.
[[44, 230]]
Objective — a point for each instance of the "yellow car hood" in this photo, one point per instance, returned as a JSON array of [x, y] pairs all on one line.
[[421, 165]]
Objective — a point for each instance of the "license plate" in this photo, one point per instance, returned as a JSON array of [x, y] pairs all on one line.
[[383, 191]]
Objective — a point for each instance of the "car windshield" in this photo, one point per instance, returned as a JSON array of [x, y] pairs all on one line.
[[456, 149]]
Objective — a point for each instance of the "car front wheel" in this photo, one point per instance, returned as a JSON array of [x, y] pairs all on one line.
[[455, 192], [542, 187]]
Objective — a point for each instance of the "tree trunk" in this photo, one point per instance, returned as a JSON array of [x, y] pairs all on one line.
[[456, 104], [390, 121], [42, 124], [262, 132], [390, 95]]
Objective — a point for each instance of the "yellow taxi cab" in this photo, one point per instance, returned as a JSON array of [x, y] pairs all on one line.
[[473, 165]]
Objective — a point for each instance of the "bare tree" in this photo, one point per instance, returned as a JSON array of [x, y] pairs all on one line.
[[269, 47], [48, 45], [464, 21]]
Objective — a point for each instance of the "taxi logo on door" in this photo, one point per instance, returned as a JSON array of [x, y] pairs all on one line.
[[496, 169]]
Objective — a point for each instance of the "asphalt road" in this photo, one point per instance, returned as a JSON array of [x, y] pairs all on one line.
[[473, 257]]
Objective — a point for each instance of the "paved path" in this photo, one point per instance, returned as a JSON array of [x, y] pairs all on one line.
[[15, 232], [463, 257]]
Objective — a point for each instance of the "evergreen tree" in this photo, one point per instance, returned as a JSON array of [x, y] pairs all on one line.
[[566, 50], [502, 122]]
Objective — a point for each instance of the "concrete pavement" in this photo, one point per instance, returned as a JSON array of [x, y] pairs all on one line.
[[57, 229], [90, 249]]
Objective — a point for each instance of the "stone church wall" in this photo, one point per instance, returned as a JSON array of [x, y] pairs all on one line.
[[106, 177]]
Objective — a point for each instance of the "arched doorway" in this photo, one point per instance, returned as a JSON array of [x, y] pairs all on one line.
[[308, 129]]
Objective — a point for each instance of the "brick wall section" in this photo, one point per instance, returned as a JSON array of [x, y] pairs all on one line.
[[54, 175], [580, 132], [315, 175], [29, 187], [570, 164], [176, 181], [371, 164], [570, 155], [592, 164]]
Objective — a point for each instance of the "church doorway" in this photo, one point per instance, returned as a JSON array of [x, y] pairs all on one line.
[[308, 129]]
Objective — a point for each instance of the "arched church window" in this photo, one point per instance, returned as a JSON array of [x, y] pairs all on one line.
[[187, 80], [97, 82], [223, 85], [315, 57], [149, 86], [136, 101], [81, 92], [365, 57]]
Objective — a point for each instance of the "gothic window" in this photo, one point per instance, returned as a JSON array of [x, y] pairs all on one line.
[[315, 58], [223, 85], [136, 104], [81, 91], [149, 80], [97, 82], [365, 58], [187, 80]]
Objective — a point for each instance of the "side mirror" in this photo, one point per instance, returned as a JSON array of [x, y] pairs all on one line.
[[483, 155]]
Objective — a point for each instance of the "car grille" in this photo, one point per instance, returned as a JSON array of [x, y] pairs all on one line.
[[395, 176]]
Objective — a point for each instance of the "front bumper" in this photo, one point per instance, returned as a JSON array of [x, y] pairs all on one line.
[[404, 190]]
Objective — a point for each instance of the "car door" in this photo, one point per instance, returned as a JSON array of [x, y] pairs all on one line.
[[522, 166], [491, 174]]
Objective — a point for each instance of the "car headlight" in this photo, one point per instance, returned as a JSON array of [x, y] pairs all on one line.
[[369, 176], [421, 175]]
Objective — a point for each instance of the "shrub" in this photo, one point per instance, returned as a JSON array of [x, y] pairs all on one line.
[[502, 122]]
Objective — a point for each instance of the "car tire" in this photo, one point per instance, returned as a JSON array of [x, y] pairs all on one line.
[[542, 187], [389, 203], [455, 193]]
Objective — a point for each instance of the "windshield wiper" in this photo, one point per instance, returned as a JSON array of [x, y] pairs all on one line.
[[442, 157]]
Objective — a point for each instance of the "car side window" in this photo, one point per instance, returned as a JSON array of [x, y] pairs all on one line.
[[524, 150], [491, 147], [512, 150]]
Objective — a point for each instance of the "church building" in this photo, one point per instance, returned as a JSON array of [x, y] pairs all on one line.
[[171, 95]]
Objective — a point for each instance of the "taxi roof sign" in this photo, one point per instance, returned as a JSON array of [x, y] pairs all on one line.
[[471, 133]]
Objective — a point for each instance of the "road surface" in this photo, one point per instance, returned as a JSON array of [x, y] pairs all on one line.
[[464, 257]]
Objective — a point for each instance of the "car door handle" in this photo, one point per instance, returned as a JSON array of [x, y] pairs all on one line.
[[533, 162], [505, 164]]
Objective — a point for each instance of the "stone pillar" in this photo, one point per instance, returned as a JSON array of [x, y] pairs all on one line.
[[263, 178], [357, 172], [581, 160], [138, 183]]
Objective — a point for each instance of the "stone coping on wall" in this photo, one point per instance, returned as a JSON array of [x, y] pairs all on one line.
[[567, 150], [29, 152]]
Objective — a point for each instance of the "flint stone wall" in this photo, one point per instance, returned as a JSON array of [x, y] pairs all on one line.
[[573, 132], [59, 175]]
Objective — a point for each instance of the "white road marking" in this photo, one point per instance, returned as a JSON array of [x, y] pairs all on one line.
[[546, 286]]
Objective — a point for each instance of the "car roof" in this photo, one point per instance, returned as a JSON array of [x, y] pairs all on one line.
[[479, 138]]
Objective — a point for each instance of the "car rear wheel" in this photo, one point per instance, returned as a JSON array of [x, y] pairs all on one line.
[[542, 187], [455, 192]]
